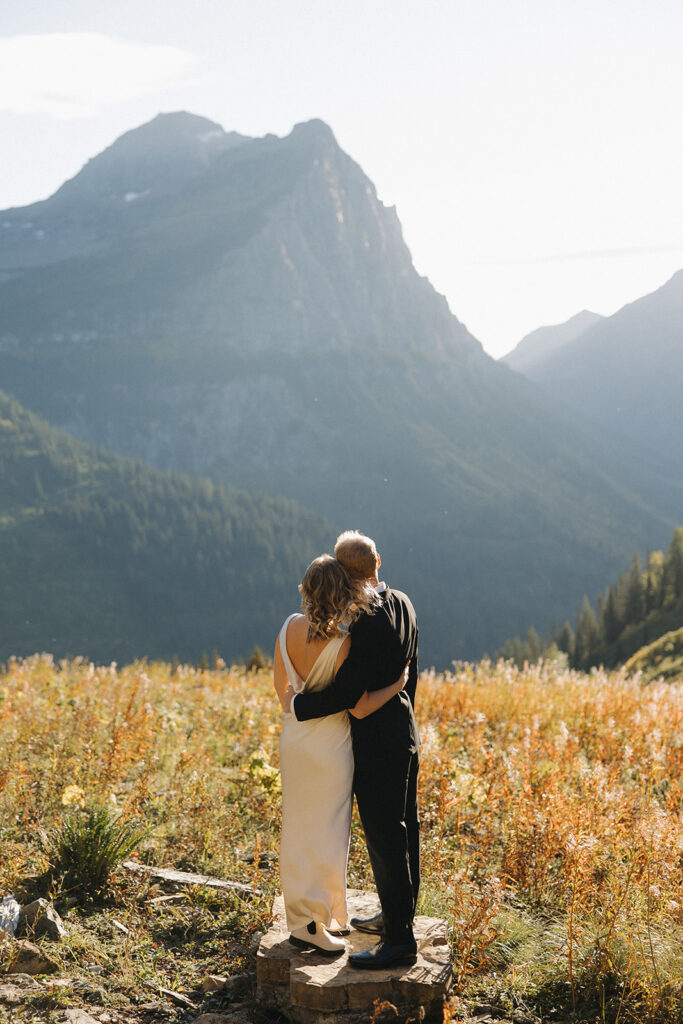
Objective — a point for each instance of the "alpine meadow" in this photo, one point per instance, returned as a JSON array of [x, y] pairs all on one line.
[[215, 355]]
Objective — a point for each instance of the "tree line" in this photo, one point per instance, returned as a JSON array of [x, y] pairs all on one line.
[[646, 602]]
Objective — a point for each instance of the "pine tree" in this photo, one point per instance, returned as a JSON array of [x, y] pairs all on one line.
[[610, 616], [586, 635], [257, 660], [672, 581], [622, 599], [566, 641], [635, 599], [653, 583]]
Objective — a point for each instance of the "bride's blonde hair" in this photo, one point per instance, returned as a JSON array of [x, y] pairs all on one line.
[[331, 598]]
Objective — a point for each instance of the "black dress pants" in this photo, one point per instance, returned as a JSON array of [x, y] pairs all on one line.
[[385, 784]]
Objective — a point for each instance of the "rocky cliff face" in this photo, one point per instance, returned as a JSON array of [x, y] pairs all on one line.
[[259, 319]]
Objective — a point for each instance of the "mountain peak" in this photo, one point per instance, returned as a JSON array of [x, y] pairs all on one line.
[[538, 345], [155, 158], [172, 124], [313, 130]]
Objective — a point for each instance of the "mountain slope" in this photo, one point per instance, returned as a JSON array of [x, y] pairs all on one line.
[[662, 659], [104, 557], [625, 373], [117, 192], [536, 347], [262, 323]]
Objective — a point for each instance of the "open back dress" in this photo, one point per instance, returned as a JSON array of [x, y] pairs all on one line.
[[316, 765]]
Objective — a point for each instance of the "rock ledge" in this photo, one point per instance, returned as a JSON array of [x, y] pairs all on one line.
[[310, 989]]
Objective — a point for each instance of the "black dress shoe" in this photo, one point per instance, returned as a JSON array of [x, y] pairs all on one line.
[[371, 925], [385, 954]]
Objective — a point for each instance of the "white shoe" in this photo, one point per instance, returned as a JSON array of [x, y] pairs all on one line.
[[316, 936]]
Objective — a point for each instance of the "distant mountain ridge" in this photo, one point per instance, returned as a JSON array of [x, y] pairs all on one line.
[[538, 346], [262, 323], [625, 373]]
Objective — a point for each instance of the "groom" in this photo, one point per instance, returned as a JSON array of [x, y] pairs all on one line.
[[385, 750]]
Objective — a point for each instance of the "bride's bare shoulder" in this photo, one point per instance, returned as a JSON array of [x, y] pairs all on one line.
[[298, 627]]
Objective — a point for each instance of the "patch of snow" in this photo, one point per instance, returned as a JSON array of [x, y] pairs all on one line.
[[130, 197]]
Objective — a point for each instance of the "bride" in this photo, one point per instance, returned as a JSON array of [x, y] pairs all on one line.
[[316, 759]]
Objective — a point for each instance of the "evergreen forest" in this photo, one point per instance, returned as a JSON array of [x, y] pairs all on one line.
[[645, 604], [104, 557]]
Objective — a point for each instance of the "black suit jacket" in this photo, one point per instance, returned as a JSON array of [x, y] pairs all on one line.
[[382, 643]]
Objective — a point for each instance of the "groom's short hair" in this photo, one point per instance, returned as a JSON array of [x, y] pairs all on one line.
[[357, 553]]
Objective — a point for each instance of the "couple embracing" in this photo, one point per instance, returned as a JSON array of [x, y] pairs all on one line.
[[345, 674]]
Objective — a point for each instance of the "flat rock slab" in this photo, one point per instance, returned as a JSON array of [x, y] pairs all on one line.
[[311, 989], [79, 1017], [17, 987]]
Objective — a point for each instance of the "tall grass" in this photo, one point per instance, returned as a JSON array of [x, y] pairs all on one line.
[[550, 800]]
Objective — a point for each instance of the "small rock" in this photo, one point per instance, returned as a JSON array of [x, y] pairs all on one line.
[[95, 995], [27, 958], [9, 915], [255, 942], [217, 983], [41, 919], [265, 858], [79, 1017], [213, 983], [15, 992]]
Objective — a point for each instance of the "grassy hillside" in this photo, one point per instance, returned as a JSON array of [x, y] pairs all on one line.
[[661, 659], [103, 557], [551, 832]]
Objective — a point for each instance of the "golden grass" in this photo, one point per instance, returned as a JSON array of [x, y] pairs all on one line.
[[550, 800]]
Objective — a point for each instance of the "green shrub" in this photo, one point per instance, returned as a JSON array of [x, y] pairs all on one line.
[[90, 844]]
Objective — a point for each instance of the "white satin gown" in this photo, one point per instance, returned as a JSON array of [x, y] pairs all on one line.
[[316, 765]]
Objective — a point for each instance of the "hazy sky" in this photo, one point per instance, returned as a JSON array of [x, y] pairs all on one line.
[[533, 148]]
